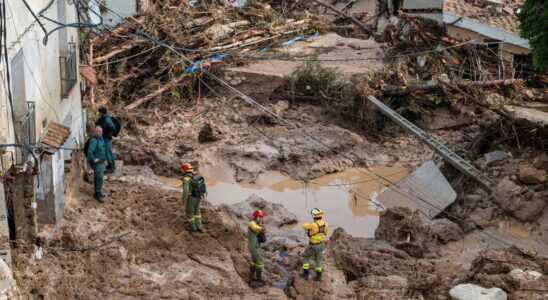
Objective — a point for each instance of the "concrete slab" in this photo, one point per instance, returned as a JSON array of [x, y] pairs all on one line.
[[350, 56], [426, 182], [532, 115]]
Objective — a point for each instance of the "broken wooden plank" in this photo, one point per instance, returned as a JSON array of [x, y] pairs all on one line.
[[115, 52]]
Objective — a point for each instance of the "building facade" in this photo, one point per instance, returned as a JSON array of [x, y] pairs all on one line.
[[40, 100]]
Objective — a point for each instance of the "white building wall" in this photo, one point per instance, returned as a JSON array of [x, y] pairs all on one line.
[[41, 80]]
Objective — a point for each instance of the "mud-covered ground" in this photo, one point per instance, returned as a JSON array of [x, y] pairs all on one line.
[[135, 246]]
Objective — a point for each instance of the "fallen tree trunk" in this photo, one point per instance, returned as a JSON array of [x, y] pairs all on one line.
[[146, 98], [349, 17], [115, 52], [154, 94], [397, 90]]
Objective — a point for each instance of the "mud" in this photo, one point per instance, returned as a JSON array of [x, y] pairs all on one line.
[[135, 246]]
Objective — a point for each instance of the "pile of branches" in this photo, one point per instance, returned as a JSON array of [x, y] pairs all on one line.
[[136, 72]]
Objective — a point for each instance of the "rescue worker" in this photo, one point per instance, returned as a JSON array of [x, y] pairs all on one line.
[[105, 121], [96, 157], [316, 232], [191, 200], [254, 229]]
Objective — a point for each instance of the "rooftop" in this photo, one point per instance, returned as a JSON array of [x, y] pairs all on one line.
[[499, 14], [56, 135]]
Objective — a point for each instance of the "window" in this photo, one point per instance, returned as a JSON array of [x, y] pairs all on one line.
[[69, 75]]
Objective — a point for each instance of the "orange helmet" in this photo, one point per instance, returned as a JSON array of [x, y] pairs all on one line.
[[187, 167], [258, 213]]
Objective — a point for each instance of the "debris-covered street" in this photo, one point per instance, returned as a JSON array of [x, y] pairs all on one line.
[[416, 131]]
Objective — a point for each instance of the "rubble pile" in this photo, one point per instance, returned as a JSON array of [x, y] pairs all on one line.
[[134, 70], [136, 246]]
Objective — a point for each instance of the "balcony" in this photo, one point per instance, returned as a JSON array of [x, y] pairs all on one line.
[[69, 67], [26, 131]]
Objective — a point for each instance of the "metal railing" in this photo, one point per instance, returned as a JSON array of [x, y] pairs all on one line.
[[69, 68], [26, 131]]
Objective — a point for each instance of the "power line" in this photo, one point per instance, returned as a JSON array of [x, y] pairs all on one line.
[[35, 18]]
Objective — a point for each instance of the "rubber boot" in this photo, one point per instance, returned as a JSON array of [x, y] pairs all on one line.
[[99, 197], [110, 169], [260, 276], [305, 274], [318, 276], [252, 274]]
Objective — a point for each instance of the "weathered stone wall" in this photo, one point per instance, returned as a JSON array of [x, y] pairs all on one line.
[[8, 286], [24, 207]]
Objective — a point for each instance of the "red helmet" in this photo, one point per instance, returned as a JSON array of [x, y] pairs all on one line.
[[258, 213], [187, 167]]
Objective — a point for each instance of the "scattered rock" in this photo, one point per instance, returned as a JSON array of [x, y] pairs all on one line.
[[482, 217], [468, 291], [445, 230], [406, 231], [521, 275], [209, 133], [531, 175], [495, 156], [496, 268]]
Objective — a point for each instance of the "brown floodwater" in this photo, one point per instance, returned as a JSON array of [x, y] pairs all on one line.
[[344, 196]]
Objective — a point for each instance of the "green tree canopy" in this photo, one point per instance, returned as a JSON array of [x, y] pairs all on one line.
[[534, 26]]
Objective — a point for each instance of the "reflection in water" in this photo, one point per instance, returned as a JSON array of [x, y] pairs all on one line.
[[345, 204]]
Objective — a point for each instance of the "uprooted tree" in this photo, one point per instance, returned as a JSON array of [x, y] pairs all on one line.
[[533, 18]]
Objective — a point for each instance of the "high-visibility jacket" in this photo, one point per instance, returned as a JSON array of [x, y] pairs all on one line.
[[316, 231], [253, 230]]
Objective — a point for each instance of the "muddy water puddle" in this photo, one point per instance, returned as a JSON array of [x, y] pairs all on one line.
[[345, 196]]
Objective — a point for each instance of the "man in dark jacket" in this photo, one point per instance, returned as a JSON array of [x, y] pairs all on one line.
[[96, 156], [106, 123]]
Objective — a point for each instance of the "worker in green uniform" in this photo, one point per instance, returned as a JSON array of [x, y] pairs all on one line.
[[105, 121], [255, 229], [96, 157], [193, 191], [316, 232]]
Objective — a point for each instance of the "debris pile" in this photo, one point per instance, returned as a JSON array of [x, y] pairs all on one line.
[[135, 71]]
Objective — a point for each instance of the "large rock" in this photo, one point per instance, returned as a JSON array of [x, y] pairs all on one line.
[[503, 269], [277, 216], [376, 266], [529, 211], [209, 133], [406, 231], [531, 175], [521, 202], [468, 291], [445, 230]]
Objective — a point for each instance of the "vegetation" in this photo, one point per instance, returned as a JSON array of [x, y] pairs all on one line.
[[313, 76], [533, 18]]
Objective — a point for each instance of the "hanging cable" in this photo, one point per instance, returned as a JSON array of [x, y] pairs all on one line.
[[38, 21]]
